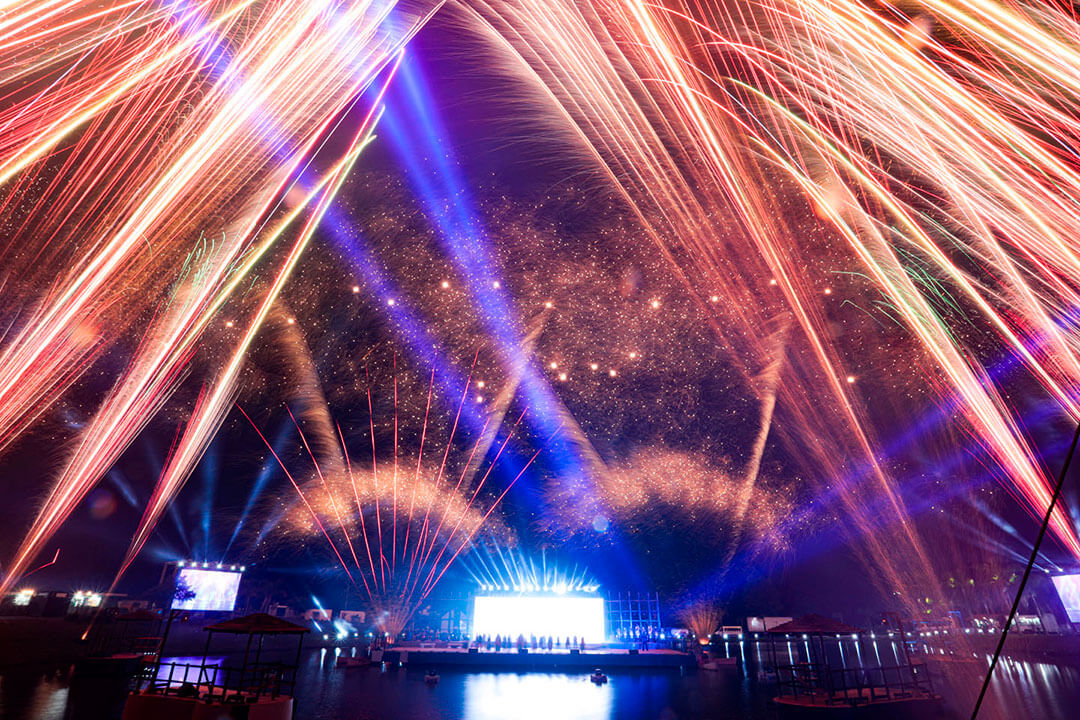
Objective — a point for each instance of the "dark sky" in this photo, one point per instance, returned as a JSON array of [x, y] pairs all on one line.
[[666, 410]]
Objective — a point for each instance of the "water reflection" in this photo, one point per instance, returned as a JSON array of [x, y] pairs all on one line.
[[539, 696], [1020, 689], [179, 670]]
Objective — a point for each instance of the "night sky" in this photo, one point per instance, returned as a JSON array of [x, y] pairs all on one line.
[[474, 227]]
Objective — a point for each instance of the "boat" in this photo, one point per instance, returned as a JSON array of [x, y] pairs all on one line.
[[431, 677], [212, 690], [598, 677]]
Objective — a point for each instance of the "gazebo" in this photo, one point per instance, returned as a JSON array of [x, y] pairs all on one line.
[[257, 625], [815, 682], [813, 627], [183, 690]]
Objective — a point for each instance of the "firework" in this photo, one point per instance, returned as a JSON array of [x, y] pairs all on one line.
[[758, 147], [143, 128], [703, 619], [867, 208], [397, 525]]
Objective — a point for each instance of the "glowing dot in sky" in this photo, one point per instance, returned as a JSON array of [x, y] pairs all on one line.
[[292, 321], [562, 377], [633, 355], [390, 302], [548, 305], [773, 281], [496, 285], [445, 284], [356, 288], [828, 291], [715, 298], [228, 323], [850, 378], [594, 366], [479, 398], [612, 372], [655, 304], [554, 365], [480, 384]]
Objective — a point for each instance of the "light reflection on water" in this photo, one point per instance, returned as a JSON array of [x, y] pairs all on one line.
[[1019, 690], [535, 696]]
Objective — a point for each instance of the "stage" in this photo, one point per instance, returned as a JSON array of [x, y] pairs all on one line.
[[593, 657]]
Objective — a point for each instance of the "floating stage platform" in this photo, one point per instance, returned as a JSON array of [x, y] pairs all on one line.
[[606, 658]]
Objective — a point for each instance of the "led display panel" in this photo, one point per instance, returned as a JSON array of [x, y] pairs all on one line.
[[1068, 589], [206, 590], [528, 615]]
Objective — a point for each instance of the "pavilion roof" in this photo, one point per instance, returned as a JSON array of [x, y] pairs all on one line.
[[256, 624]]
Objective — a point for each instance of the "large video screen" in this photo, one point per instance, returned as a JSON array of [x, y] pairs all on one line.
[[560, 617], [1068, 589], [209, 590]]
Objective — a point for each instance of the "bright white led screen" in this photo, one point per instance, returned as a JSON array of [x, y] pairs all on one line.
[[561, 617], [210, 590], [1068, 588]]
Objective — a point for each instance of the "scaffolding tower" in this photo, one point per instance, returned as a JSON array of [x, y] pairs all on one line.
[[630, 615]]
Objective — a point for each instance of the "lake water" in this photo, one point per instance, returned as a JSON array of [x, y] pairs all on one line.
[[1020, 690]]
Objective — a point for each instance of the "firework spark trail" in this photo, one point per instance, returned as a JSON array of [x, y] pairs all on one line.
[[421, 540], [52, 324], [132, 404], [279, 70], [375, 479], [100, 265], [628, 126], [703, 619], [396, 594], [476, 492], [419, 460], [1006, 186], [689, 106], [468, 539], [429, 547], [206, 420], [322, 478], [303, 497], [986, 410], [359, 512]]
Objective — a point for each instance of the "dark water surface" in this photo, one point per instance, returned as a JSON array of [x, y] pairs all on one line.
[[1043, 691]]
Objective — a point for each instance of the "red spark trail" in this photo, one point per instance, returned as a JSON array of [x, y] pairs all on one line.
[[472, 534], [330, 495], [375, 479], [442, 466], [419, 459], [314, 515], [359, 512], [476, 491]]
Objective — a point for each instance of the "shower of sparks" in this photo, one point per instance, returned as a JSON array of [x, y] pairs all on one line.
[[757, 145], [397, 551], [134, 126], [838, 212]]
